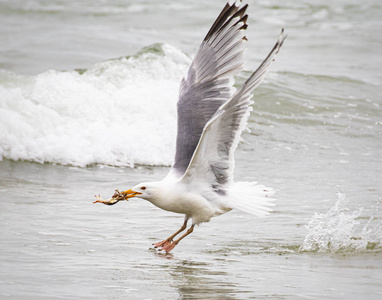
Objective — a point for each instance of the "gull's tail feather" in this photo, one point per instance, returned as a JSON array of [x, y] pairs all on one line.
[[251, 198]]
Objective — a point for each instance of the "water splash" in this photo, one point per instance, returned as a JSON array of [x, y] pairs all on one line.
[[341, 230]]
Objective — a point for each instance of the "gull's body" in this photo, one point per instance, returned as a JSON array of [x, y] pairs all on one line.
[[211, 119], [196, 202]]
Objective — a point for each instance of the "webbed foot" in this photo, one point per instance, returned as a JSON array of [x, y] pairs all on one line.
[[166, 245]]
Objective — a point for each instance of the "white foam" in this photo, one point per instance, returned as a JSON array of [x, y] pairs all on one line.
[[118, 112], [341, 230]]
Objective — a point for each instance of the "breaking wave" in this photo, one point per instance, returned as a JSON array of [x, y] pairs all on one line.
[[119, 112]]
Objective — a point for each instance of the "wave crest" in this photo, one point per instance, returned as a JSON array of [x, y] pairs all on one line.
[[118, 112]]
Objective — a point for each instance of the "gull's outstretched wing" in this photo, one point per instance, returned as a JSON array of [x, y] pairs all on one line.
[[208, 83], [213, 160]]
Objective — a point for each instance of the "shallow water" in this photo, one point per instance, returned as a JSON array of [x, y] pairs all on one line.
[[315, 138], [55, 239]]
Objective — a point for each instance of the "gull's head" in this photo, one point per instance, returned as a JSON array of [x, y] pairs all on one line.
[[145, 190]]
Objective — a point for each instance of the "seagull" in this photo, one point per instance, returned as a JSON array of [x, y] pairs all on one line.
[[211, 118]]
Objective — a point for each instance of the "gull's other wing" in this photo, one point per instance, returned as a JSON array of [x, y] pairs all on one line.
[[208, 83], [213, 160]]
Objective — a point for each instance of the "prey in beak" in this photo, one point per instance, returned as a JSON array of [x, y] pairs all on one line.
[[118, 196]]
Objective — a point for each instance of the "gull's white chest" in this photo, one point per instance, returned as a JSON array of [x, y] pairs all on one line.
[[177, 199]]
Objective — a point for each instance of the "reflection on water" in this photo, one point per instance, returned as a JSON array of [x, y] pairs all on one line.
[[197, 279]]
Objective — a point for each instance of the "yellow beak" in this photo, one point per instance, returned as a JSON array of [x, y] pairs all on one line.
[[130, 194]]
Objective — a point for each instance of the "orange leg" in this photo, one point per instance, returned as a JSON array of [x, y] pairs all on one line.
[[169, 246], [169, 240]]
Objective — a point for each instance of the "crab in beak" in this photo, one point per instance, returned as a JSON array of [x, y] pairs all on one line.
[[118, 196]]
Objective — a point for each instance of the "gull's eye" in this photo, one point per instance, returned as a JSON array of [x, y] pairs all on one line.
[[143, 188]]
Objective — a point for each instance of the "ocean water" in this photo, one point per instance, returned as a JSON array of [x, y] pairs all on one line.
[[88, 93]]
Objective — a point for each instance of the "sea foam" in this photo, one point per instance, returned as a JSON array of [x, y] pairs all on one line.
[[119, 112]]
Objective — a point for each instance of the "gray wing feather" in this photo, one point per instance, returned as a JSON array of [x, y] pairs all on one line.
[[213, 160], [208, 83]]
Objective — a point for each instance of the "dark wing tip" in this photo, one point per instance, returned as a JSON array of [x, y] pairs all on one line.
[[280, 40], [229, 12]]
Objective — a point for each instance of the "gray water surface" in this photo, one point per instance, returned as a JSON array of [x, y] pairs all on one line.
[[57, 244]]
